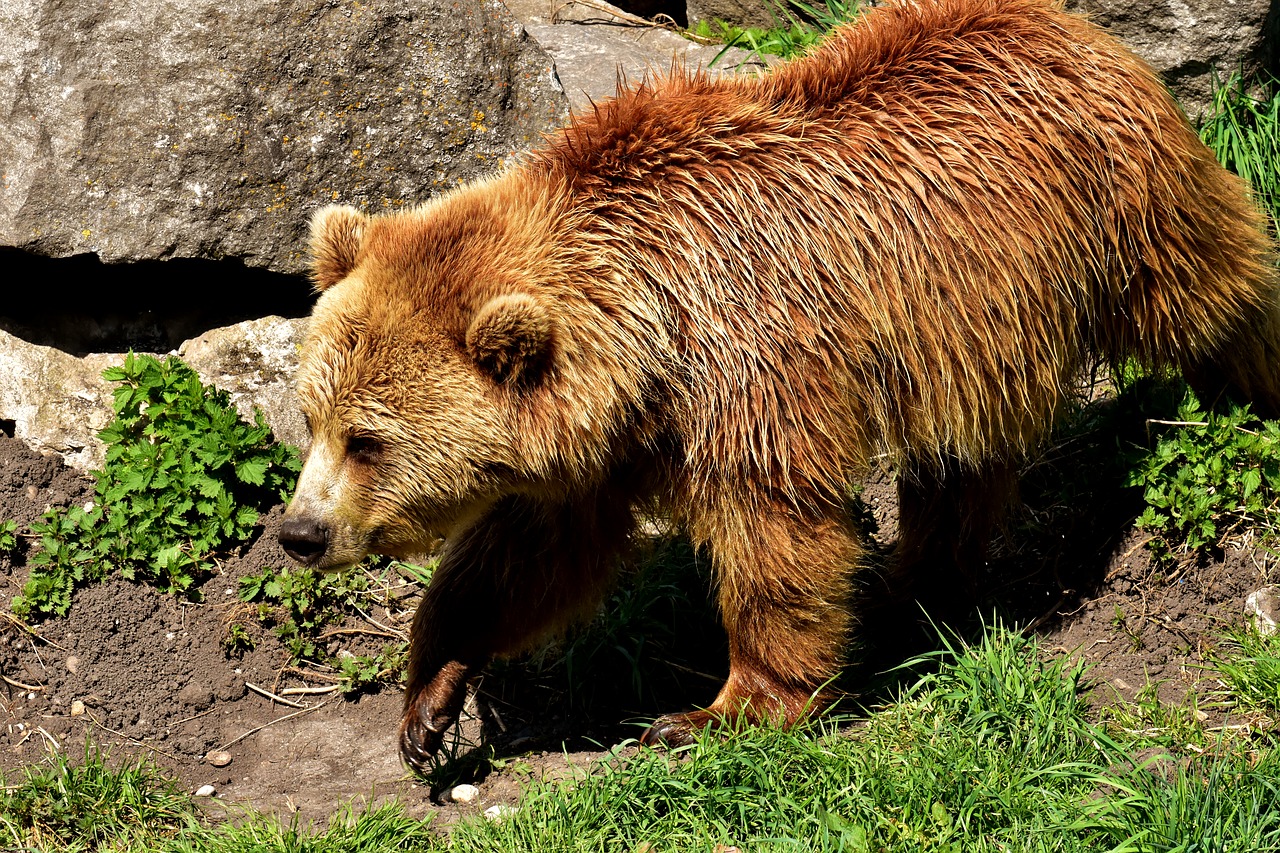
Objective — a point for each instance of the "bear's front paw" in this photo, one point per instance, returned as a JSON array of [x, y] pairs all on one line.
[[428, 713], [421, 732], [677, 729]]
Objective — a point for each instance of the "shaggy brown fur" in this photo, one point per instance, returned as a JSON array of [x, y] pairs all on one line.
[[728, 295]]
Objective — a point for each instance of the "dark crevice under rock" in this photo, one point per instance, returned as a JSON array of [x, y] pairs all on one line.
[[81, 305]]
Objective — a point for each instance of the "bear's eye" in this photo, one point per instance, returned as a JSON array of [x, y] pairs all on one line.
[[364, 448]]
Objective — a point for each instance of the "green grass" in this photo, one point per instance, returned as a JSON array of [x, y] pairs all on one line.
[[993, 749], [800, 26], [1251, 670], [95, 804], [1244, 132], [379, 829], [61, 805]]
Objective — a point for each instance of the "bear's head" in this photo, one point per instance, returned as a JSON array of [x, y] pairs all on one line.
[[419, 351], [449, 362]]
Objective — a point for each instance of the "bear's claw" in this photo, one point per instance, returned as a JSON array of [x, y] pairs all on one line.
[[428, 714], [421, 733], [677, 729]]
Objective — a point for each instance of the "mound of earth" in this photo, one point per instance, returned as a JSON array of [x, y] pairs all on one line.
[[136, 671]]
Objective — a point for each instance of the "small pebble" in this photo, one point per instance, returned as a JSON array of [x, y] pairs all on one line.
[[465, 794], [218, 758], [73, 664], [1262, 610], [205, 791], [77, 708], [499, 812]]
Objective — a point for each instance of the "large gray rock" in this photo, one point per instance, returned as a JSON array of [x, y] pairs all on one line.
[[58, 402], [596, 45], [139, 129], [255, 362], [740, 13], [1191, 41]]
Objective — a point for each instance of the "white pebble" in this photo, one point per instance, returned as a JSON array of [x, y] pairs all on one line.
[[77, 708], [205, 791], [73, 664], [465, 794], [1262, 610], [499, 812]]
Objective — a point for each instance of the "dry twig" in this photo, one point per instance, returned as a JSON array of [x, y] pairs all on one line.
[[257, 729]]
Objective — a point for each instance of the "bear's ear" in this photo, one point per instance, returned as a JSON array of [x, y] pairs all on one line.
[[510, 337], [336, 234]]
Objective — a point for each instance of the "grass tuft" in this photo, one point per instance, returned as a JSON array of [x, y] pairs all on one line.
[[1251, 669], [61, 805], [1244, 133]]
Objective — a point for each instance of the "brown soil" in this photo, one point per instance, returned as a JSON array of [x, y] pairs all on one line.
[[154, 678]]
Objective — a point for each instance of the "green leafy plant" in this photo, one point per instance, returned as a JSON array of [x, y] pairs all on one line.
[[300, 604], [184, 480], [1210, 474], [8, 536], [357, 673], [238, 640]]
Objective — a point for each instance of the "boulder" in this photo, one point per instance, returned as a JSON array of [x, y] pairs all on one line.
[[595, 45], [1192, 42], [740, 13], [155, 129], [255, 362], [57, 402]]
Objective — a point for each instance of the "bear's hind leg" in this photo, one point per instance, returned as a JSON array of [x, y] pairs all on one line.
[[523, 571], [784, 583], [947, 515], [1246, 367]]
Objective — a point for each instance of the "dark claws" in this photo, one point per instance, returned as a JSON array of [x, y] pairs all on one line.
[[421, 734], [676, 729], [428, 714]]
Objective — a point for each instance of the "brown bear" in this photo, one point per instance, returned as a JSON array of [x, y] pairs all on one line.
[[722, 297]]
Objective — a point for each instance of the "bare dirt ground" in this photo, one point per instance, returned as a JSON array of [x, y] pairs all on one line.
[[154, 678]]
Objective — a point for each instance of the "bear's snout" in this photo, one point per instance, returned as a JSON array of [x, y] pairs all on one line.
[[304, 539]]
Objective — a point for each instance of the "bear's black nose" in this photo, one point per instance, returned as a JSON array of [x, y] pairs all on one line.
[[304, 539]]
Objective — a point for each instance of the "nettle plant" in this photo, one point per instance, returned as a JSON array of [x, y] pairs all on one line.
[[8, 536], [184, 480], [1211, 475], [305, 607]]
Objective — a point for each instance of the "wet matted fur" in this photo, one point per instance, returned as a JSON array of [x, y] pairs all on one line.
[[724, 296]]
